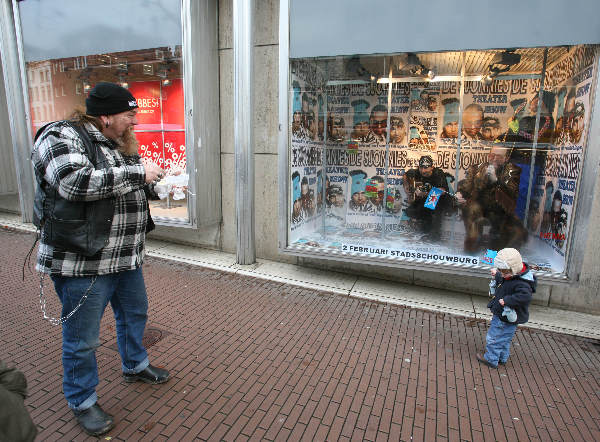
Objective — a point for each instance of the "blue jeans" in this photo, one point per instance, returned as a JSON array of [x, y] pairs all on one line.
[[126, 293], [498, 339]]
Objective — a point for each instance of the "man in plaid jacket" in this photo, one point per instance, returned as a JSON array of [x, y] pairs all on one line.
[[87, 280]]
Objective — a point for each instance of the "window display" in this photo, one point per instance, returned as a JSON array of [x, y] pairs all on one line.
[[60, 77], [441, 158]]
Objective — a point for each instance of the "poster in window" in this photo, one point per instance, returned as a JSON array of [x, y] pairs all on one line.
[[147, 94]]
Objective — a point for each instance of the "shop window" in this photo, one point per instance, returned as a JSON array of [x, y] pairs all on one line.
[[147, 62], [439, 159]]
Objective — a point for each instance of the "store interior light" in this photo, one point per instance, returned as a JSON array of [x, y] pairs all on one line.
[[86, 87], [166, 82], [431, 74]]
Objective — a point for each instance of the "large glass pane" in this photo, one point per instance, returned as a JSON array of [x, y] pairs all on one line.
[[442, 158], [68, 50]]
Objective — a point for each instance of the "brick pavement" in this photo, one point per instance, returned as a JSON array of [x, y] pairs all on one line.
[[255, 359]]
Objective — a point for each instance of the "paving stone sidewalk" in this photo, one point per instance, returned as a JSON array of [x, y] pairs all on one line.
[[261, 360]]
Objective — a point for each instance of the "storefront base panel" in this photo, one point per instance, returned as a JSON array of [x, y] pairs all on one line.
[[208, 236], [10, 203], [452, 282], [582, 298]]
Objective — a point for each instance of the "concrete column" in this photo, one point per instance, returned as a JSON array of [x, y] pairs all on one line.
[[243, 132], [16, 96]]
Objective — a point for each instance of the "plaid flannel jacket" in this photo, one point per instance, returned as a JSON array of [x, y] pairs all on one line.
[[58, 157]]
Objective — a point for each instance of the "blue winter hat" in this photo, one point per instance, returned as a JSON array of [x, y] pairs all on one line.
[[297, 101], [450, 110], [360, 111], [359, 181], [296, 186]]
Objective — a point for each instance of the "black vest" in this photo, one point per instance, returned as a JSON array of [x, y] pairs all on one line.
[[74, 226]]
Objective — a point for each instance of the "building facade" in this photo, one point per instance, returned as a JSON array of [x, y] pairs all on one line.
[[410, 152]]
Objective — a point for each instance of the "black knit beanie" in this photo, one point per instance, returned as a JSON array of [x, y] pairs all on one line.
[[108, 99]]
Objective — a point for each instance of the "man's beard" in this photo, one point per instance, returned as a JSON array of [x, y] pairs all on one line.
[[128, 143]]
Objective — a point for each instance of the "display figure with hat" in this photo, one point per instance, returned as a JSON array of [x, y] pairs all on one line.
[[512, 288], [297, 213], [307, 199], [360, 120], [577, 123], [560, 112], [490, 129], [299, 132], [335, 196], [397, 131], [488, 195], [321, 122], [375, 191], [336, 129], [319, 190], [558, 220], [377, 126], [472, 120], [417, 184], [450, 120], [358, 200], [414, 139], [92, 211], [547, 210]]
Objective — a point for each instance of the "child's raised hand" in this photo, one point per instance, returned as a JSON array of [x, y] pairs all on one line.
[[493, 271]]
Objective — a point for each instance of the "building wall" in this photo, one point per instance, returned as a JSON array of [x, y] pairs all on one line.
[[579, 296], [266, 77], [9, 196]]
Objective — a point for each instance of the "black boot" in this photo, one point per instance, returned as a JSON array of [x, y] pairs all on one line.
[[94, 420], [150, 375]]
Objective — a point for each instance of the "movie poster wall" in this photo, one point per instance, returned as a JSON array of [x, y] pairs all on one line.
[[357, 189]]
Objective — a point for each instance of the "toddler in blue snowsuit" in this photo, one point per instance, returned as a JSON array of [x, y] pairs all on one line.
[[515, 283]]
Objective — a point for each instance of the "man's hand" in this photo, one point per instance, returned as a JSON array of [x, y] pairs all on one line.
[[154, 172], [459, 199]]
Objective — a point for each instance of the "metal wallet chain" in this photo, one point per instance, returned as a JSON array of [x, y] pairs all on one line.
[[59, 321]]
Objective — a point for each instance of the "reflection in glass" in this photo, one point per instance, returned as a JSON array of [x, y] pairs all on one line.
[[154, 75], [439, 157]]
